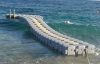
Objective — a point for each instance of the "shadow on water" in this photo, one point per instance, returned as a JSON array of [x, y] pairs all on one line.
[[29, 35], [27, 39], [33, 52]]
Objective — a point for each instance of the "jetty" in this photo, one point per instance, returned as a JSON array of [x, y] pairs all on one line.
[[55, 40]]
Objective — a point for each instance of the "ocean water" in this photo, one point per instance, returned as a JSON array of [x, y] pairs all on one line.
[[17, 45]]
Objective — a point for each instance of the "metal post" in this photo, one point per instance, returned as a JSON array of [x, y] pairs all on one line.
[[14, 13], [88, 59], [76, 51], [10, 13], [86, 55]]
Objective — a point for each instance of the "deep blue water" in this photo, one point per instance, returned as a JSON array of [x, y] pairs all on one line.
[[17, 44]]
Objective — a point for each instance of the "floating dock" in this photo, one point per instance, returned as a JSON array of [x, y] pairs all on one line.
[[53, 39]]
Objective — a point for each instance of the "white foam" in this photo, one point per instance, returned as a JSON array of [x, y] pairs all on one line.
[[96, 53], [95, 0], [97, 49], [68, 22]]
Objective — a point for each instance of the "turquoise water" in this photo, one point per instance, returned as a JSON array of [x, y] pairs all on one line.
[[17, 45]]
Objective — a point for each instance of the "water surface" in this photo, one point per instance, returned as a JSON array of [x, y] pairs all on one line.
[[17, 45]]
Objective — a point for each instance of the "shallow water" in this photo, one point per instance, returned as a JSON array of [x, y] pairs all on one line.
[[17, 45]]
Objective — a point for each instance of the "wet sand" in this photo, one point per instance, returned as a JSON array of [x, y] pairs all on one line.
[[28, 59]]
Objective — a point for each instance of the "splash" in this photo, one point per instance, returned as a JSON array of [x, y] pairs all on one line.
[[97, 52]]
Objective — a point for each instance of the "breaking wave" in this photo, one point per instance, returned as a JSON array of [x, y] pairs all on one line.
[[95, 0]]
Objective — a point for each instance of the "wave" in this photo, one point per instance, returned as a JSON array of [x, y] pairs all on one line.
[[80, 24], [72, 23], [95, 0], [68, 22], [97, 51]]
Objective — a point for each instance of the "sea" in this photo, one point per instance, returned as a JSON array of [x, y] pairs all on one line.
[[79, 19]]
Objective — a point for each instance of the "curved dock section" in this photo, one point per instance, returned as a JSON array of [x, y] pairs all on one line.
[[54, 39]]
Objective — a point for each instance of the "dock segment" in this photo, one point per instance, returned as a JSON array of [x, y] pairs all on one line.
[[53, 39]]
